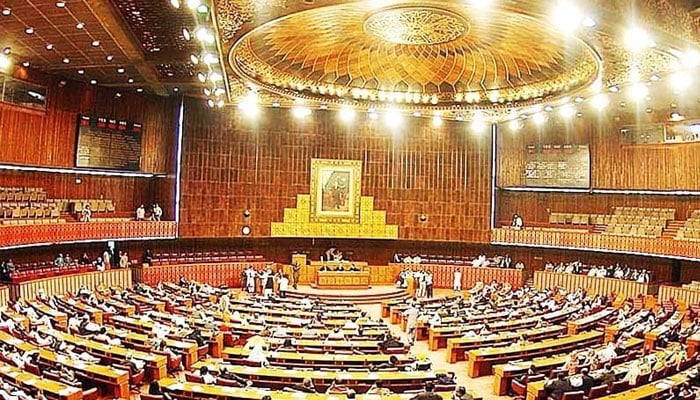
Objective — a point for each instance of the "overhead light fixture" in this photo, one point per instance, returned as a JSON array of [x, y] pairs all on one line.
[[203, 35], [548, 108], [567, 111], [6, 12], [120, 70], [193, 4], [29, 30], [215, 77], [93, 82], [539, 118], [176, 89], [680, 80], [566, 17], [654, 77], [373, 115], [459, 117], [130, 80], [186, 34], [346, 114], [249, 105], [600, 101], [276, 104], [676, 116], [81, 72], [588, 22], [5, 62], [194, 59], [25, 64], [79, 25], [514, 125], [437, 121], [201, 77], [211, 103], [175, 3], [614, 88], [393, 117], [66, 60], [300, 111], [638, 91], [579, 99], [139, 90], [60, 4], [636, 39], [202, 9], [95, 43], [206, 91], [109, 58], [49, 46], [218, 92], [210, 59], [7, 51], [118, 95]]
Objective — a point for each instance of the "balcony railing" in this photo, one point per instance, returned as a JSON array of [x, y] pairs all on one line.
[[578, 239], [27, 235]]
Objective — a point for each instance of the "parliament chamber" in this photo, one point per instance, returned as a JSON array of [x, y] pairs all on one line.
[[330, 200]]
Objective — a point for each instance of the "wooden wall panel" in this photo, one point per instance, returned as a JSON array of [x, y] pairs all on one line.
[[49, 138], [613, 166], [231, 164], [535, 207]]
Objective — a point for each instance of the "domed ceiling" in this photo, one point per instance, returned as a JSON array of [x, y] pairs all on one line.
[[446, 55]]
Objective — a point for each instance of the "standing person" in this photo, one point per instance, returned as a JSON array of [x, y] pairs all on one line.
[[86, 214], [123, 260], [283, 285], [296, 268], [411, 315], [420, 277], [250, 279], [457, 280], [429, 284], [266, 281], [141, 213], [157, 212]]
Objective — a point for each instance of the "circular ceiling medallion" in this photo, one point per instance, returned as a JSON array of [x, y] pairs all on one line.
[[437, 54], [416, 25]]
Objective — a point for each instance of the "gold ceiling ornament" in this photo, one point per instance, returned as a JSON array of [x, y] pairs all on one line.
[[233, 14], [416, 25], [454, 58]]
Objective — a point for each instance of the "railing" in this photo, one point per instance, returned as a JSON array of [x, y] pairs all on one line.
[[27, 235], [562, 238]]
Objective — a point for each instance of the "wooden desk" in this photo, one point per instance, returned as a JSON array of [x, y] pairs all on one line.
[[199, 390], [479, 362], [603, 286], [60, 319], [94, 313], [612, 331], [188, 350], [653, 335], [397, 381], [156, 364], [297, 359], [71, 283], [586, 323], [457, 347], [29, 381], [115, 380], [342, 280], [693, 343], [504, 373]]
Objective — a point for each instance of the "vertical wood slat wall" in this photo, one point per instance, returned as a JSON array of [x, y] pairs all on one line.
[[71, 283], [231, 164], [602, 286]]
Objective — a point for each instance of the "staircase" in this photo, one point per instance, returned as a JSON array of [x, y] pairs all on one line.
[[671, 229]]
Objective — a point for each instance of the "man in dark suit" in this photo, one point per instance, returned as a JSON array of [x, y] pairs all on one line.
[[588, 381], [428, 394], [557, 387]]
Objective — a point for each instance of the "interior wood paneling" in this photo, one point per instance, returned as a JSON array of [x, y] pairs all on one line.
[[536, 206], [231, 164], [49, 138]]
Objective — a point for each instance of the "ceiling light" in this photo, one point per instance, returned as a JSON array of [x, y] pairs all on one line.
[[676, 116], [459, 117], [276, 104], [203, 35], [139, 90], [437, 121], [300, 112], [202, 9], [548, 108], [680, 80], [49, 46], [193, 4], [514, 125], [638, 91], [600, 101], [206, 91], [81, 71], [60, 4], [109, 58], [120, 70], [566, 17], [373, 115], [416, 114], [130, 80], [220, 103], [567, 111], [176, 89], [80, 25], [393, 117], [219, 92], [25, 64], [6, 12], [614, 88], [588, 22], [215, 77], [654, 77], [93, 82], [539, 118], [202, 78], [7, 51], [579, 99], [249, 105], [66, 61], [691, 58], [480, 3], [175, 3], [29, 30], [210, 59], [636, 39], [211, 103], [186, 34], [118, 95], [194, 59], [5, 62], [95, 43], [346, 114]]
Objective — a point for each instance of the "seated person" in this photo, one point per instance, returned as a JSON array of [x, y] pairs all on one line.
[[335, 334], [378, 388], [206, 376], [224, 373], [307, 386], [446, 379], [354, 268], [337, 387]]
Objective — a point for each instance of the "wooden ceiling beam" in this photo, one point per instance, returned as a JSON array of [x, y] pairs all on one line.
[[111, 21]]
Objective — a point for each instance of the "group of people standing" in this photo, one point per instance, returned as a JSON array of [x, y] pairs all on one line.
[[269, 280], [423, 281], [156, 213]]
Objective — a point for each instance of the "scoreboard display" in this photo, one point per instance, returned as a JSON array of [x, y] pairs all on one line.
[[107, 143]]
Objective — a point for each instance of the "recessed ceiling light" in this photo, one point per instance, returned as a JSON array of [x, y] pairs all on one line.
[[29, 30], [7, 51], [120, 70], [109, 58], [186, 34], [25, 64], [202, 9], [60, 4], [202, 78], [170, 74], [578, 99], [79, 25], [6, 11], [210, 59], [614, 88], [139, 90], [81, 72], [95, 43], [548, 108], [66, 61], [193, 4], [176, 89], [49, 46], [130, 80], [175, 3], [206, 91], [194, 59], [5, 62], [93, 82], [276, 104]]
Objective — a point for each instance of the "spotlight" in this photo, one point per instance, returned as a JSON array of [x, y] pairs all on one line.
[[210, 59], [249, 106], [29, 30], [567, 111], [393, 118], [186, 34], [636, 39], [676, 116], [215, 77], [680, 80], [6, 12], [7, 51], [437, 121], [638, 91], [5, 62], [566, 17], [300, 111], [600, 101], [202, 78], [202, 9], [193, 4], [95, 43], [514, 125], [245, 230], [203, 35], [210, 103], [691, 58], [175, 3], [539, 118], [347, 114]]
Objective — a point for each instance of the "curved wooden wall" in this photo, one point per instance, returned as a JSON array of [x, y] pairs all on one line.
[[71, 283]]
